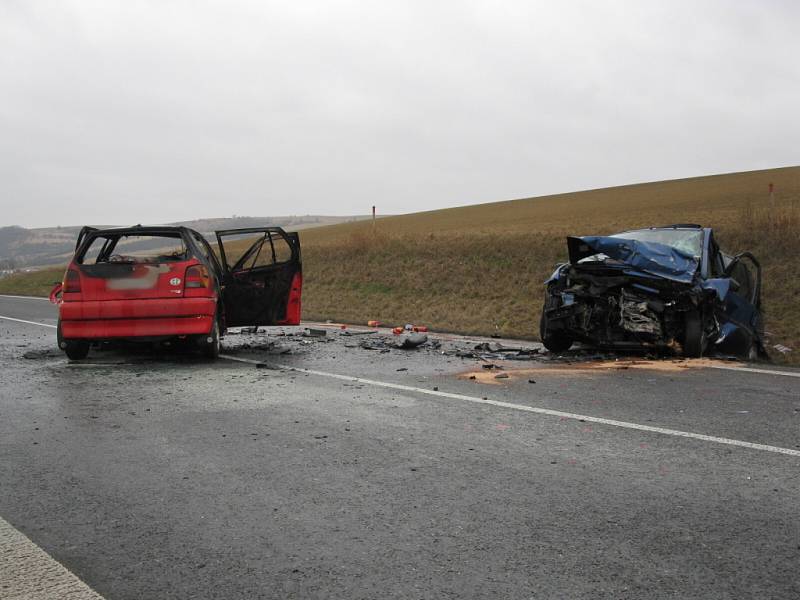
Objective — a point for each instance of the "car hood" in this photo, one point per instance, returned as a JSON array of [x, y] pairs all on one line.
[[657, 260]]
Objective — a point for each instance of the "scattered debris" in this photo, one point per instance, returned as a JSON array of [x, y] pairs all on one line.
[[373, 323], [312, 332], [782, 349], [412, 341], [501, 376]]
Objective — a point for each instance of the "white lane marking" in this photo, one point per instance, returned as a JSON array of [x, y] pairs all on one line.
[[28, 322], [754, 370], [24, 297], [536, 410], [28, 573]]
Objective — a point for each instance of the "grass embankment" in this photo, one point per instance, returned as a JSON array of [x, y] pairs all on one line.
[[35, 283], [479, 269]]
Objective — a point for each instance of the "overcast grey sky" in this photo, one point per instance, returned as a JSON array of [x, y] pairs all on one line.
[[127, 112]]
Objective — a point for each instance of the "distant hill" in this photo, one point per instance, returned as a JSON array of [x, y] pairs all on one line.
[[40, 247]]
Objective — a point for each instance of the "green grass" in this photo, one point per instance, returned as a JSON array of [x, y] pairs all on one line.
[[479, 269], [35, 283]]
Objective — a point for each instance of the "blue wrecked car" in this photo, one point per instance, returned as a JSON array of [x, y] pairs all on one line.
[[665, 288]]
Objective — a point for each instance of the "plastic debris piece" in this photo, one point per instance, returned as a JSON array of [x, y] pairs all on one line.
[[312, 332], [412, 341]]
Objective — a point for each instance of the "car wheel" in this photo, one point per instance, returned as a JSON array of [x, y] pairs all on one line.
[[74, 349], [212, 344], [554, 341], [694, 337]]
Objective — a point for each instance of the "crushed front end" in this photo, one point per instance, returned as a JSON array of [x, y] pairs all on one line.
[[607, 306], [622, 292]]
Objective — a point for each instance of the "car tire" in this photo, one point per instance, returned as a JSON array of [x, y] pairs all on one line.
[[211, 348], [554, 341], [74, 349], [694, 337]]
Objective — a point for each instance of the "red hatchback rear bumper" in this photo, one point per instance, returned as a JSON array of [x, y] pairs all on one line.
[[137, 318]]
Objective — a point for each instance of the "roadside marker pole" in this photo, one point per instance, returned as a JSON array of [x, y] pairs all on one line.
[[772, 199]]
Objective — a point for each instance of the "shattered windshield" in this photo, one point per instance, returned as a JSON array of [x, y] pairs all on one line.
[[685, 241]]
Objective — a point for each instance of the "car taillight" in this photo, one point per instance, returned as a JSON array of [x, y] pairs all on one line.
[[72, 282], [197, 277]]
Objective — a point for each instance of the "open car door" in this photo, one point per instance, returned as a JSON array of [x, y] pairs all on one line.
[[262, 276]]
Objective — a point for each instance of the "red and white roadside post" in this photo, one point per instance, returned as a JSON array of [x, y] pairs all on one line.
[[771, 198]]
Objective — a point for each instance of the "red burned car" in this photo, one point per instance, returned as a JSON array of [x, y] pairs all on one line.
[[162, 283]]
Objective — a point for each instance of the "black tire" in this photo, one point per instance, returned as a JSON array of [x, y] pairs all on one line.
[[694, 337], [555, 341], [74, 349], [211, 348]]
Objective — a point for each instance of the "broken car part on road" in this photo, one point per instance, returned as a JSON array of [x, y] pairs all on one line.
[[663, 288]]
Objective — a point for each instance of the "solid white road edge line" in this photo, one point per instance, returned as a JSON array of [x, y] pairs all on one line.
[[536, 410], [28, 573], [28, 322], [24, 297], [754, 370]]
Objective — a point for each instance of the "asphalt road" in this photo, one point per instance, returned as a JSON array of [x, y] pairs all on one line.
[[392, 474]]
